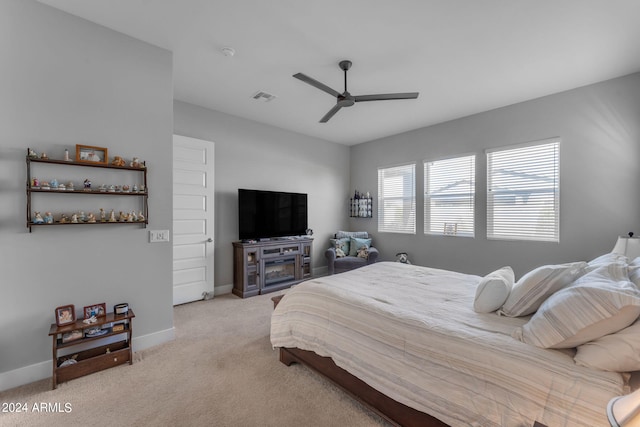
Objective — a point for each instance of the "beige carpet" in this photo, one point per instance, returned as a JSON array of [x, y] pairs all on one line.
[[219, 371]]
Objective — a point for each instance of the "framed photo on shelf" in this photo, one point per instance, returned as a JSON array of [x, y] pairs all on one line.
[[65, 315], [97, 310], [91, 154]]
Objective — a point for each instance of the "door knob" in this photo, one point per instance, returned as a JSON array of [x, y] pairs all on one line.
[[209, 240]]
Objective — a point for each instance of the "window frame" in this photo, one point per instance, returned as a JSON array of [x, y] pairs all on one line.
[[450, 228], [527, 231], [407, 201]]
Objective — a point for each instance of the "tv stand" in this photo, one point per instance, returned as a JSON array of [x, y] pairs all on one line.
[[268, 266]]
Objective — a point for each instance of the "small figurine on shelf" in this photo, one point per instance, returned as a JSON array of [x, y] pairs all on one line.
[[133, 216], [87, 184], [48, 218], [135, 163], [125, 188], [111, 189], [103, 215], [64, 219], [142, 188], [140, 216], [45, 185], [62, 187], [35, 183], [91, 217], [70, 186], [54, 184], [37, 218], [44, 156], [112, 216], [74, 218], [135, 188], [123, 217], [102, 188], [82, 217], [32, 154], [118, 161], [66, 155]]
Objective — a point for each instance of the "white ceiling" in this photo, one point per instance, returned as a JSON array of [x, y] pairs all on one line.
[[463, 56]]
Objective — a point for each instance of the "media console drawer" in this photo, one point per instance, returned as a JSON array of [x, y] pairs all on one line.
[[281, 250]]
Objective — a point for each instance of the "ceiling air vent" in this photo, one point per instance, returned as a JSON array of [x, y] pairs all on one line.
[[263, 96]]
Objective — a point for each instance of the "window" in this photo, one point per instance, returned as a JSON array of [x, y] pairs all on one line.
[[449, 196], [397, 199], [523, 188]]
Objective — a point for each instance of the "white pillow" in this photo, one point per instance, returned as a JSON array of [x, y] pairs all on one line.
[[619, 352], [537, 285], [634, 271], [493, 290], [607, 259], [601, 302]]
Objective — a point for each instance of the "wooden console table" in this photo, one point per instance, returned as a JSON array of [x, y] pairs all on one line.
[[94, 358]]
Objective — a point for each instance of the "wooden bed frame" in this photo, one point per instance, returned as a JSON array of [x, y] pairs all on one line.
[[396, 413]]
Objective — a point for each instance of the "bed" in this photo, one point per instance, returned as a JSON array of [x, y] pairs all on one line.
[[407, 342]]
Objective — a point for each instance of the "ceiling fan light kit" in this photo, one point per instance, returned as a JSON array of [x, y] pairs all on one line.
[[345, 99]]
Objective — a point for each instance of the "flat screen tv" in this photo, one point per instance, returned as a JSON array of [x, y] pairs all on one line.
[[267, 214]]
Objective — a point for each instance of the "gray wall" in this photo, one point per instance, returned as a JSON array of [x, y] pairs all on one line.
[[65, 81], [599, 176], [256, 156]]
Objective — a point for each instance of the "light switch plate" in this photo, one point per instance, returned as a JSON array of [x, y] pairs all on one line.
[[156, 236]]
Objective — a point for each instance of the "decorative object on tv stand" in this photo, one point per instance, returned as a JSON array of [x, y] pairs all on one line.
[[361, 205]]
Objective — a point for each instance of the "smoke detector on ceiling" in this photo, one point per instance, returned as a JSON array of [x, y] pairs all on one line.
[[263, 96]]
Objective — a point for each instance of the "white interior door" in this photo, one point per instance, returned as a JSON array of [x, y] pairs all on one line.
[[193, 195]]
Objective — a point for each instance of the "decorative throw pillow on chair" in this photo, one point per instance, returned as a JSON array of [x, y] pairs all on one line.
[[341, 245], [356, 244]]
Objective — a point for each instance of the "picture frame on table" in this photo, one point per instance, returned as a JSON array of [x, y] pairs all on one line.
[[65, 314], [98, 310], [91, 154]]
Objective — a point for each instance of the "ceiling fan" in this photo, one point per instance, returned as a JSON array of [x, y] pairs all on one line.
[[345, 99]]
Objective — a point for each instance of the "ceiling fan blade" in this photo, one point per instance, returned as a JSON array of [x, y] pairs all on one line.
[[317, 84], [386, 96], [330, 114]]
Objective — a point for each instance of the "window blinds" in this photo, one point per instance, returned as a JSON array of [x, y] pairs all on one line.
[[523, 192], [397, 199], [449, 198]]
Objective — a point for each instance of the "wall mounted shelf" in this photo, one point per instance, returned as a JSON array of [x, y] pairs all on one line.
[[33, 191]]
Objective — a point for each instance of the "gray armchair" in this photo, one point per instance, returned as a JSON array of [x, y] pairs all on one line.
[[343, 242]]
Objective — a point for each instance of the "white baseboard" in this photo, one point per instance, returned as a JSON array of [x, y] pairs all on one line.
[[42, 370], [153, 339], [222, 290], [25, 375]]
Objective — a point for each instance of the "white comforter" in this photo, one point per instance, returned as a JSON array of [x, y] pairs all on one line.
[[411, 333]]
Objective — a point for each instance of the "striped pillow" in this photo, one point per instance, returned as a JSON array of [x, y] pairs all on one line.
[[601, 302], [619, 352], [537, 285], [348, 234]]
